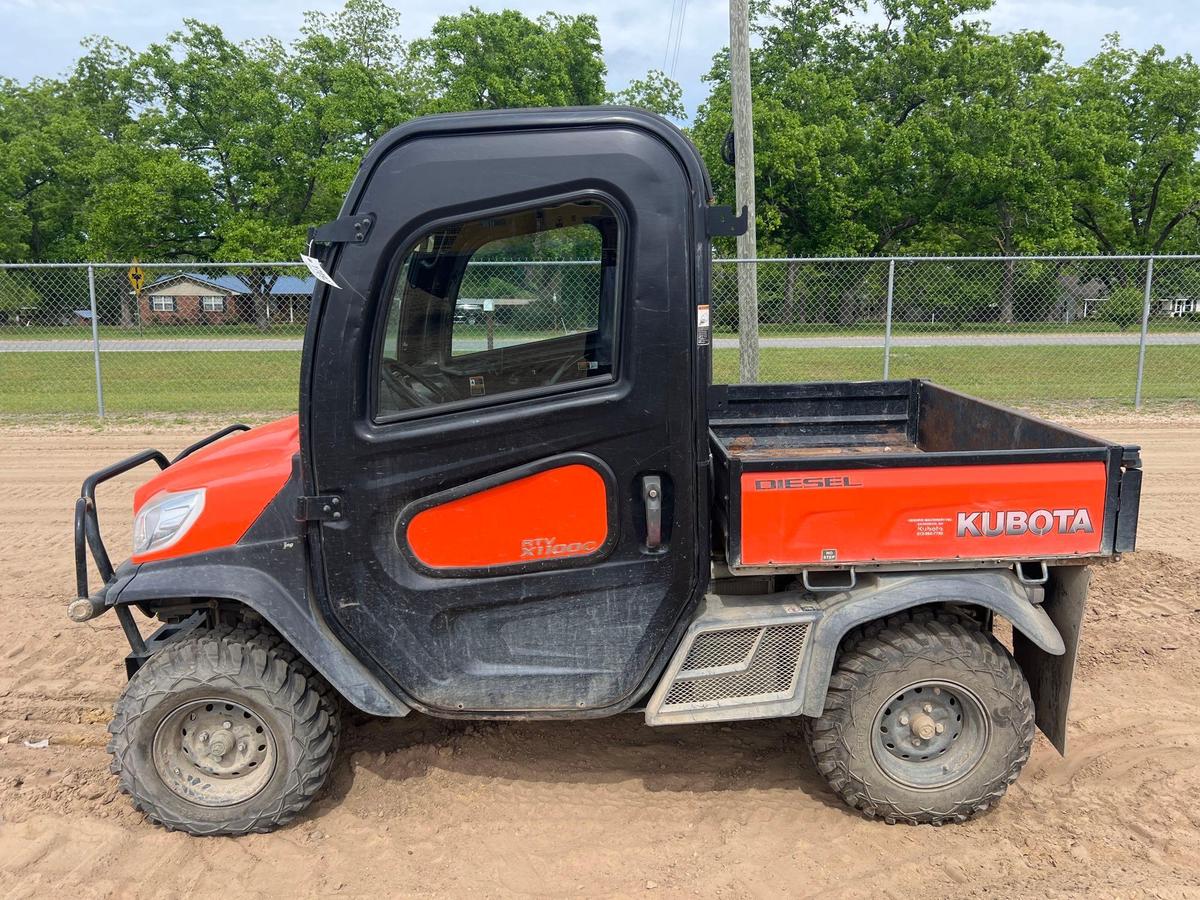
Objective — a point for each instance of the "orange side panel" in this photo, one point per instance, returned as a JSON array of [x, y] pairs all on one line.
[[558, 513], [922, 513]]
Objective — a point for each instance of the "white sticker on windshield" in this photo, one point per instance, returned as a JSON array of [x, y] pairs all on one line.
[[318, 270]]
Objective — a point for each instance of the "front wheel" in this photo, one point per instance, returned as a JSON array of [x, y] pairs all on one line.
[[222, 734], [928, 720]]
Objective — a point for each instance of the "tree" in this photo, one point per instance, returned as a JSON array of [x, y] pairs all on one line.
[[217, 106], [1138, 116], [46, 143], [1123, 307], [912, 130], [1008, 189], [920, 131], [874, 136], [852, 141], [278, 131], [16, 295], [656, 92], [483, 60], [348, 80]]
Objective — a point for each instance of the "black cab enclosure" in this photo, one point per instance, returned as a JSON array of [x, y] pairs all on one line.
[[398, 407]]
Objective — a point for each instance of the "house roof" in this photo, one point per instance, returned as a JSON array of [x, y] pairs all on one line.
[[284, 285]]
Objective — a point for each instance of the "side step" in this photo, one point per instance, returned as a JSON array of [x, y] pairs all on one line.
[[742, 658]]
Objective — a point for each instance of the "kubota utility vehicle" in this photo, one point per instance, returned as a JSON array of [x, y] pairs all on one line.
[[571, 520]]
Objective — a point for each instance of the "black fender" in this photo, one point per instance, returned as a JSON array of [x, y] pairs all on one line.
[[270, 578], [880, 596]]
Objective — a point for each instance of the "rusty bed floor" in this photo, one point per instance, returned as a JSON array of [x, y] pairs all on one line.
[[784, 446]]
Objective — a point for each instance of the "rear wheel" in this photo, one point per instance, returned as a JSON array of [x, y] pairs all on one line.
[[222, 734], [928, 720]]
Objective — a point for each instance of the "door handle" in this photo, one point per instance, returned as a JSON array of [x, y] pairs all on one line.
[[652, 499]]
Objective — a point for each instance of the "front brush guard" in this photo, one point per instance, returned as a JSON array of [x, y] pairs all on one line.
[[87, 536]]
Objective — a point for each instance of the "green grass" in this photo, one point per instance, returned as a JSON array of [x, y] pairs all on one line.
[[1007, 374], [254, 384], [189, 382]]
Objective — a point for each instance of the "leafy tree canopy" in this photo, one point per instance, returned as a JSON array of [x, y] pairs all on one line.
[[923, 131], [911, 129], [201, 148]]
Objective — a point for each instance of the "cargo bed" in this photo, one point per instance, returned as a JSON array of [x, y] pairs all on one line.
[[875, 474]]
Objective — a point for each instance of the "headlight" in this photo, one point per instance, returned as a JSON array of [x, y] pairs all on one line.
[[165, 519]]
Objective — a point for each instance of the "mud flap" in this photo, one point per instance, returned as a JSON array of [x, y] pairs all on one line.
[[1050, 676]]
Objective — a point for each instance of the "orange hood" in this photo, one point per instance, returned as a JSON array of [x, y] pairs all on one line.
[[241, 474]]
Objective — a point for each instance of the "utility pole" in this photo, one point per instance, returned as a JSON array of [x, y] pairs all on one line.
[[743, 143]]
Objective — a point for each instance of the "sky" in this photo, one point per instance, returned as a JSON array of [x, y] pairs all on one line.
[[41, 37]]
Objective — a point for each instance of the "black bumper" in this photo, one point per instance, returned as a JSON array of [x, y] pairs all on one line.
[[87, 530]]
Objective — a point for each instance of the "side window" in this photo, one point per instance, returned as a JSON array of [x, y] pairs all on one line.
[[529, 287], [522, 301]]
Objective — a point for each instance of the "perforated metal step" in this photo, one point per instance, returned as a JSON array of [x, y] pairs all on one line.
[[739, 660]]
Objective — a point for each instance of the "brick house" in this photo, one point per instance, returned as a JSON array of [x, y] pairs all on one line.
[[189, 299]]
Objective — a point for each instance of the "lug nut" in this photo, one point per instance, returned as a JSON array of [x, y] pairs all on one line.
[[229, 725], [904, 720], [939, 728], [203, 737], [928, 707]]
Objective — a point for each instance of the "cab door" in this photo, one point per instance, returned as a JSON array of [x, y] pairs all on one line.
[[503, 400]]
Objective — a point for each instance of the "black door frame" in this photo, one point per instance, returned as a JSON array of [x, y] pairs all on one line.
[[698, 249]]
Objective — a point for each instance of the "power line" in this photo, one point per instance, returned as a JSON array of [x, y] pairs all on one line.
[[679, 37], [670, 31]]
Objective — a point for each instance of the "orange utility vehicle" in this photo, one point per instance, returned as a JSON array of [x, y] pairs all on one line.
[[571, 520]]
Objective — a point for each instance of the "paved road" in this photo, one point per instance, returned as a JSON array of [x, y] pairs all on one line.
[[223, 345], [972, 340], [148, 345]]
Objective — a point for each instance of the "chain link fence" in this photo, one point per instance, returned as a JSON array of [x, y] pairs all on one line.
[[1031, 331], [225, 339], [152, 338]]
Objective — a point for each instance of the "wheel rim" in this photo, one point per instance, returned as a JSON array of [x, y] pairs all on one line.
[[214, 752], [930, 735]]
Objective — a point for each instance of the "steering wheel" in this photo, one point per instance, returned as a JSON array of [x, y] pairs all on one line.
[[566, 366], [398, 377]]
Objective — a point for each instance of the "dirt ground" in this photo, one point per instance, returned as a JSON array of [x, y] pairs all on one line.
[[611, 807]]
